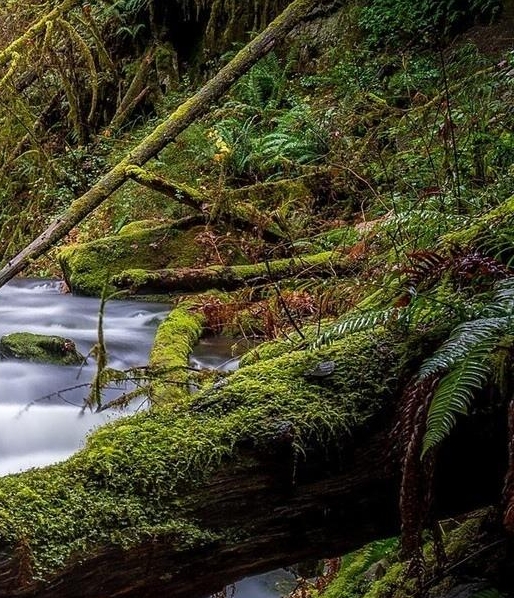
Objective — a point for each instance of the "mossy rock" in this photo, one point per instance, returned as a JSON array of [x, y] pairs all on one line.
[[88, 266], [40, 348]]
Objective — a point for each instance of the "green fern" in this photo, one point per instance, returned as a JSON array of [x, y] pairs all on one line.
[[453, 397], [465, 360], [355, 323], [465, 338]]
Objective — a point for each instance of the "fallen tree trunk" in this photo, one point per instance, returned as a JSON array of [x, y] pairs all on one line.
[[163, 134], [275, 520], [229, 278], [270, 468]]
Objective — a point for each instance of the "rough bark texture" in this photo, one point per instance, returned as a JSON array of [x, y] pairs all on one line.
[[229, 278], [187, 113]]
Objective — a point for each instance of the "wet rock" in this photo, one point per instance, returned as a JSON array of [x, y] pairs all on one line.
[[322, 370], [40, 348]]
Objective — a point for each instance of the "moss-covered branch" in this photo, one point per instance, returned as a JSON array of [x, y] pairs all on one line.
[[240, 213], [163, 134], [179, 192], [229, 278], [134, 93], [174, 341]]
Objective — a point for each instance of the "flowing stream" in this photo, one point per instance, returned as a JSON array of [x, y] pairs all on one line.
[[38, 426], [40, 404]]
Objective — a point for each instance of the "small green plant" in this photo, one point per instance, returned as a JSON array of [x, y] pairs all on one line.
[[393, 23]]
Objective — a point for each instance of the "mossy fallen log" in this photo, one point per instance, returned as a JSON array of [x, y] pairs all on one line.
[[174, 341], [267, 468], [273, 467], [87, 266], [229, 278], [490, 230]]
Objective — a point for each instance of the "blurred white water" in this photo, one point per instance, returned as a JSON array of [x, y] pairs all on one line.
[[37, 425]]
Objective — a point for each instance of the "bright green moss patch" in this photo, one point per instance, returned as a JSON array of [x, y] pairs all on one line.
[[135, 476], [376, 571], [40, 348], [491, 228], [137, 226]]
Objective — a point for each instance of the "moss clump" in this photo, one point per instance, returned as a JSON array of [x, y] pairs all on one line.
[[464, 544], [485, 230], [137, 476], [87, 266], [353, 579], [297, 193], [137, 226], [40, 348]]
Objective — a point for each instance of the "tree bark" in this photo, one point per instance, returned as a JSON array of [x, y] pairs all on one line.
[[134, 94], [268, 511], [229, 278], [179, 192], [278, 522], [162, 135]]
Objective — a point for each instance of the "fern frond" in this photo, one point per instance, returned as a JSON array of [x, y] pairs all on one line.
[[453, 397], [355, 323], [502, 303], [480, 335]]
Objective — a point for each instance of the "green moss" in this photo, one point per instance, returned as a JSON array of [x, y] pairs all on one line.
[[268, 350], [174, 341], [40, 348], [87, 266], [269, 196], [463, 542], [137, 476], [138, 226], [352, 580]]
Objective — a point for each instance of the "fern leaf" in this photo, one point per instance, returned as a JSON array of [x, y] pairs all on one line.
[[479, 335], [355, 323], [453, 397]]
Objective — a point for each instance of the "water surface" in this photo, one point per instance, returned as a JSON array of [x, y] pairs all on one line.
[[40, 404]]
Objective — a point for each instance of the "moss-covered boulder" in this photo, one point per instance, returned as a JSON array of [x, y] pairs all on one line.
[[40, 348], [87, 266]]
